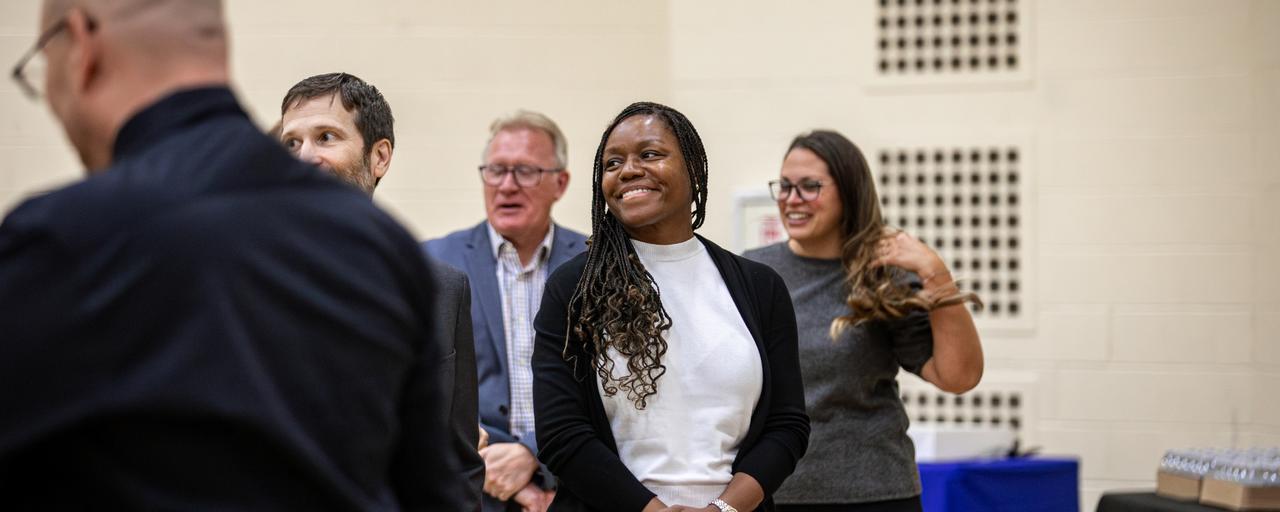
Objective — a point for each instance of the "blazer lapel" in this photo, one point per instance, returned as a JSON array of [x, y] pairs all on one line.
[[563, 248], [482, 266]]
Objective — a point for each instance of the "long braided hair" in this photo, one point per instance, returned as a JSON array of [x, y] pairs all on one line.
[[873, 293], [617, 301]]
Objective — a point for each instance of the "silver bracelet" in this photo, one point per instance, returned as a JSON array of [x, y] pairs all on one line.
[[724, 507]]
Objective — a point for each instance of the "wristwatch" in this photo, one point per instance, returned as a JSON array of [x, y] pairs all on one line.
[[724, 507]]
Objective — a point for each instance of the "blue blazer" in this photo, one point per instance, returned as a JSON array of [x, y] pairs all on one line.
[[469, 250]]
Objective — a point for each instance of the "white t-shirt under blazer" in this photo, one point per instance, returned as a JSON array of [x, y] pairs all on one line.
[[682, 445]]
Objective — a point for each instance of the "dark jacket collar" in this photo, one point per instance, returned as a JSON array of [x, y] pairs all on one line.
[[166, 116]]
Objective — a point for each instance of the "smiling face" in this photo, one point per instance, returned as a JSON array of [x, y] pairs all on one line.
[[322, 132], [645, 182], [815, 222]]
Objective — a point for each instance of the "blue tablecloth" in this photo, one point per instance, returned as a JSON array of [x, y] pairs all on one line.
[[1009, 485]]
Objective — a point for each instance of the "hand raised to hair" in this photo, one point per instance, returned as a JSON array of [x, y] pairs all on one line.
[[899, 249]]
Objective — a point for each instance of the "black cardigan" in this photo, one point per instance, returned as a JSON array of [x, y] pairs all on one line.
[[575, 439]]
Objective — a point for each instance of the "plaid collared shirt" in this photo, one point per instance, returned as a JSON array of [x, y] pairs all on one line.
[[521, 289]]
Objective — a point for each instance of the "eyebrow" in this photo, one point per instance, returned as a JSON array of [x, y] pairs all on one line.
[[801, 179], [321, 126], [642, 143]]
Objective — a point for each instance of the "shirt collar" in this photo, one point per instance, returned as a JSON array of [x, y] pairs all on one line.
[[166, 116], [496, 241], [670, 252]]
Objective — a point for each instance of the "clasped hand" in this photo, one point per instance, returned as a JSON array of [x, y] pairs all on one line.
[[508, 468], [656, 505]]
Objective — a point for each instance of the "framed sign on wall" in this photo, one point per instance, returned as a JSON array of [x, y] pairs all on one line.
[[755, 220]]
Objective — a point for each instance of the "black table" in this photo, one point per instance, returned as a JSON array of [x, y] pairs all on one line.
[[1148, 502]]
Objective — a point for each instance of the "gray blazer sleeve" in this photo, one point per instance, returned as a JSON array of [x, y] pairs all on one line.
[[453, 312]]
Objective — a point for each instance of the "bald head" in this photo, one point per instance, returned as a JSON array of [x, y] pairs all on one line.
[[118, 10], [119, 56], [167, 30]]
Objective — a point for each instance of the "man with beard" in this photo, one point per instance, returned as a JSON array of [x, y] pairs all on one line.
[[344, 125]]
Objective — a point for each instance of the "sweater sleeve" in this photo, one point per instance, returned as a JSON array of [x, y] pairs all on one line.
[[912, 334], [568, 441], [786, 428]]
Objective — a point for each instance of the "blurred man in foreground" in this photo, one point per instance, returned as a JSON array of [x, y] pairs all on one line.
[[205, 322]]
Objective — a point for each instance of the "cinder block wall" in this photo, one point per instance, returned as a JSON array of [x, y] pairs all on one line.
[[1152, 131], [1154, 136]]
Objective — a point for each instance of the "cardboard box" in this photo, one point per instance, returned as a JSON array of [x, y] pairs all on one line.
[[1177, 486], [1234, 496]]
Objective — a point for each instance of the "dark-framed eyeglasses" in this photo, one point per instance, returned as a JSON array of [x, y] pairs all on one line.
[[808, 189], [28, 73], [525, 175]]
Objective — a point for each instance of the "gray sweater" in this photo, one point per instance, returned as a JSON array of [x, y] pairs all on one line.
[[858, 446]]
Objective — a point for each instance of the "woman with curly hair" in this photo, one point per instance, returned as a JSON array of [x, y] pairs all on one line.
[[665, 368], [869, 300]]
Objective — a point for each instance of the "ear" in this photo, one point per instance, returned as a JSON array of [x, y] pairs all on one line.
[[85, 53], [562, 183], [380, 158]]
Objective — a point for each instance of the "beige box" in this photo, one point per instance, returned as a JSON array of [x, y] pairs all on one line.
[[1178, 487], [1234, 496]]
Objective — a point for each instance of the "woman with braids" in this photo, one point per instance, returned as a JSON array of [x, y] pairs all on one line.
[[869, 300], [665, 368]]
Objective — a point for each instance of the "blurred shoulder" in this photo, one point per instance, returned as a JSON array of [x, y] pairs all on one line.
[[772, 254], [445, 275], [568, 274], [81, 213], [448, 245], [570, 235]]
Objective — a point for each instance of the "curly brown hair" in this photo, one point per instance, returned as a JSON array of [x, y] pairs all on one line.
[[617, 301], [873, 292]]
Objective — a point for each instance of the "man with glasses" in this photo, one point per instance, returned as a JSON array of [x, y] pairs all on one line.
[[205, 322], [508, 258]]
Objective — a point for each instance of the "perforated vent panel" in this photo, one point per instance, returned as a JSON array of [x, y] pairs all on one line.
[[996, 408], [944, 36], [967, 204], [1001, 401], [950, 42]]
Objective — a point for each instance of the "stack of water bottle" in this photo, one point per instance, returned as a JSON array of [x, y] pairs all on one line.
[[1246, 479]]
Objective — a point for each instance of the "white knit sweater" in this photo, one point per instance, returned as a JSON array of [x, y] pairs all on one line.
[[682, 445]]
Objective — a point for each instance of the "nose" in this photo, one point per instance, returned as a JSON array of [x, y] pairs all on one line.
[[508, 184], [631, 168], [307, 152], [794, 197]]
